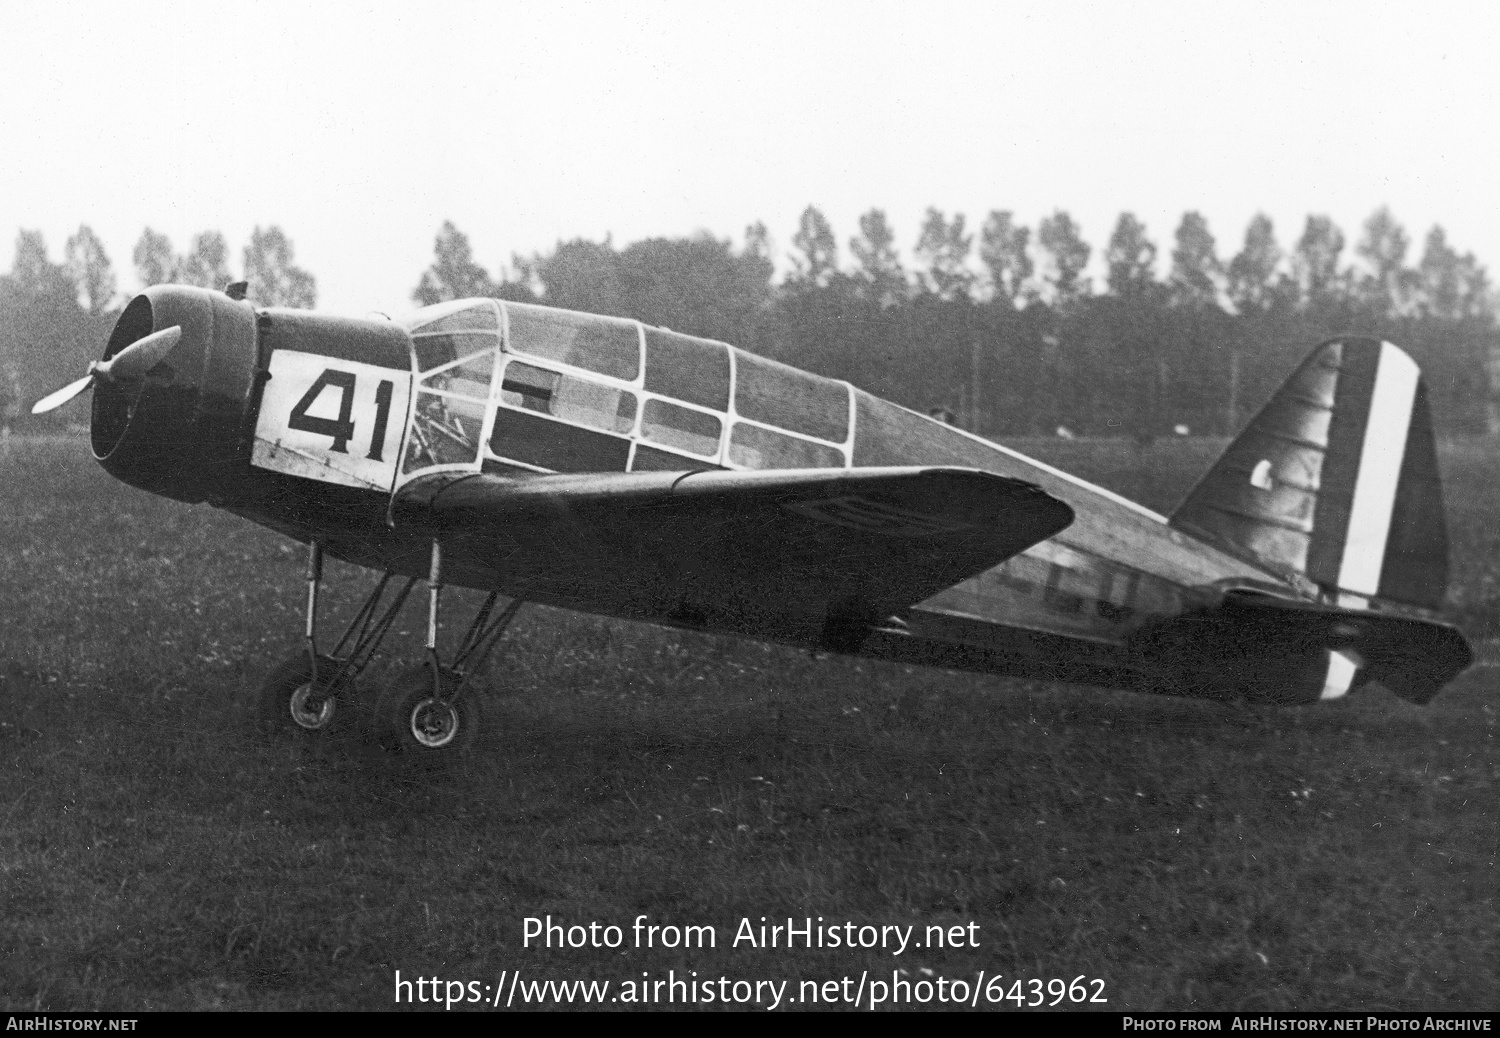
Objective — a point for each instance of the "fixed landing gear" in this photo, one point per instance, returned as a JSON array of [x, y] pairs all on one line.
[[429, 714], [422, 722], [291, 701]]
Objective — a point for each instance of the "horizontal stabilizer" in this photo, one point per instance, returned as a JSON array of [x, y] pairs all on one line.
[[774, 553], [1312, 650]]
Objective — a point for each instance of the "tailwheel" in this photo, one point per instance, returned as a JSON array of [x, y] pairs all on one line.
[[291, 703], [428, 723]]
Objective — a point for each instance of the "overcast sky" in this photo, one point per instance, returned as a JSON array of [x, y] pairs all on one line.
[[359, 128]]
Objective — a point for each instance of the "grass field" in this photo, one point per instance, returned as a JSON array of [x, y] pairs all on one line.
[[155, 853]]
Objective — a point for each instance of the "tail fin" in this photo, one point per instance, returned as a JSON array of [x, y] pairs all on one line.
[[1336, 479]]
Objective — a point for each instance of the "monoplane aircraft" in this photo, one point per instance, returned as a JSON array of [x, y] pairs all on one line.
[[604, 465]]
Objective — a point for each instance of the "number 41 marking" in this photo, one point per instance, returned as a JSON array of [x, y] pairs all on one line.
[[341, 429]]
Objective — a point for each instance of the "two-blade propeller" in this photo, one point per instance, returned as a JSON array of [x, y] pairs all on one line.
[[129, 365]]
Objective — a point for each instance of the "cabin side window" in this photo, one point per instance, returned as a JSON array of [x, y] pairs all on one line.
[[695, 371], [1118, 590], [568, 397], [681, 428], [653, 459], [1066, 589], [584, 428], [604, 345]]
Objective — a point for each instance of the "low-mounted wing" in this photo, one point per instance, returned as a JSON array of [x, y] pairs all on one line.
[[800, 555]]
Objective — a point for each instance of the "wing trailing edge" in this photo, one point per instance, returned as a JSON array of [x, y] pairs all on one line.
[[802, 555]]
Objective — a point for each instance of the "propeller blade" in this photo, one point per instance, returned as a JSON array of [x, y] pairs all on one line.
[[140, 356], [130, 364], [53, 401]]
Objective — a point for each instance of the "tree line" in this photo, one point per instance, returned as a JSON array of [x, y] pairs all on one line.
[[55, 317], [1010, 338], [1013, 338]]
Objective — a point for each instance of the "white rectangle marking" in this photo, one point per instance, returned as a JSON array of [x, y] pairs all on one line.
[[1380, 461], [1341, 671], [372, 399]]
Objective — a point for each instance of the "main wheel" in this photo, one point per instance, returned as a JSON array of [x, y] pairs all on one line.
[[288, 704], [428, 725]]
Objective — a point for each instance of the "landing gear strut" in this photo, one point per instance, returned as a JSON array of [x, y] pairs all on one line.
[[302, 694], [425, 712]]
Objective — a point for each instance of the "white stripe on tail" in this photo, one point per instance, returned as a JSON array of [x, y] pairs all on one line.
[[1380, 460]]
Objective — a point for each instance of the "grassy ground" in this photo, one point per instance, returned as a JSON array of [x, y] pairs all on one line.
[[155, 854]]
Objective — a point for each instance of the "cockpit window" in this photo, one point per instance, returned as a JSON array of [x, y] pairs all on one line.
[[433, 350], [467, 377], [449, 416], [441, 334], [459, 315], [606, 345], [456, 346]]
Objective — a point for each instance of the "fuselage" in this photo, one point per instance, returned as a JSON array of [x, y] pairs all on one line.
[[516, 389], [336, 416]]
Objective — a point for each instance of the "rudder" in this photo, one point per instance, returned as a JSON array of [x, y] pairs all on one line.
[[1336, 480]]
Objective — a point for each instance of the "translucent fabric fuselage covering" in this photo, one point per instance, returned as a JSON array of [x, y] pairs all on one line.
[[515, 388]]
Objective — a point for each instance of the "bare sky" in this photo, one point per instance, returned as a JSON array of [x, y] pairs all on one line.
[[360, 127]]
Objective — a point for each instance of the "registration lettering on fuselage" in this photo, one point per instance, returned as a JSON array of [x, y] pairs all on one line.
[[333, 420]]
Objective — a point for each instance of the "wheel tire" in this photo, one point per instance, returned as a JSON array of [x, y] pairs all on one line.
[[281, 708], [424, 730]]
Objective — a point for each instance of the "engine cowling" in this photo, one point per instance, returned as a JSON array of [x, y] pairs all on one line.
[[182, 432]]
